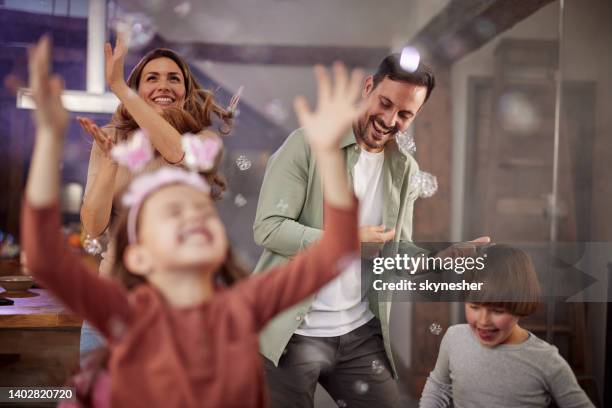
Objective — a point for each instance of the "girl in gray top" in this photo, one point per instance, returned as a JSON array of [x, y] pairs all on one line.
[[492, 361]]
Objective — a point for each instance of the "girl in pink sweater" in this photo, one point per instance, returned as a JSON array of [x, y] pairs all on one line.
[[177, 336]]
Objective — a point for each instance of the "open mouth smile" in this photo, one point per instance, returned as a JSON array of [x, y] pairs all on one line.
[[380, 129], [486, 334], [196, 234], [164, 100]]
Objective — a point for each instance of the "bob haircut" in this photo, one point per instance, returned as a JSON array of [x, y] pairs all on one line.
[[509, 281]]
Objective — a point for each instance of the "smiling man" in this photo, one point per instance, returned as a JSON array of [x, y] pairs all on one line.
[[338, 337]]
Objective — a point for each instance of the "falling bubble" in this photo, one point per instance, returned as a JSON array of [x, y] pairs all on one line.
[[276, 110], [425, 183], [183, 9], [92, 245], [138, 28], [435, 328], [378, 367], [243, 162], [361, 387], [518, 114], [239, 200], [405, 142], [341, 404], [282, 205], [410, 58]]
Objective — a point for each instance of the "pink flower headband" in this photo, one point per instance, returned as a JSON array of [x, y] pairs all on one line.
[[200, 155]]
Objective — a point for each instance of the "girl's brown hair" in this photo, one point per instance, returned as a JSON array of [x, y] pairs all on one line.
[[509, 281], [198, 108]]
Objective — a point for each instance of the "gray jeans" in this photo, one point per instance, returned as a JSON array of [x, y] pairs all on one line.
[[353, 368]]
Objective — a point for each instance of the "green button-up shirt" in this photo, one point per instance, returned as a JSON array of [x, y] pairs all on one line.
[[290, 217]]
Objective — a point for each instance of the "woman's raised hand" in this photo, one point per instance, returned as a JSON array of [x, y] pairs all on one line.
[[115, 62], [50, 114], [336, 107], [102, 139]]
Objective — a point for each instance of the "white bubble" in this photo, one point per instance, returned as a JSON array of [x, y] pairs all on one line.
[[405, 142], [517, 114], [92, 245], [243, 162], [239, 200], [425, 183], [282, 205], [183, 9], [435, 328], [361, 387], [341, 404], [378, 367], [138, 28], [410, 58], [276, 110]]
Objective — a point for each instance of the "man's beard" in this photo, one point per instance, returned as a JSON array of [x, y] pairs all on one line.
[[366, 134]]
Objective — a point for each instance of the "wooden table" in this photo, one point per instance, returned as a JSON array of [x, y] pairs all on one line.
[[39, 340], [35, 309]]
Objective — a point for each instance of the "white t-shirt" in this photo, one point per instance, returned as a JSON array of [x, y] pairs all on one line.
[[338, 307]]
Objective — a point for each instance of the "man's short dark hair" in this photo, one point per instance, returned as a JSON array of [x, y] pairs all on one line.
[[390, 67]]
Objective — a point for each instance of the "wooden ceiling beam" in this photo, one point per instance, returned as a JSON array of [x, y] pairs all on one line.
[[464, 26], [288, 55]]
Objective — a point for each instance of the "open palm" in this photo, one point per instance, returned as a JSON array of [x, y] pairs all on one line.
[[46, 89], [101, 138], [336, 107], [115, 61]]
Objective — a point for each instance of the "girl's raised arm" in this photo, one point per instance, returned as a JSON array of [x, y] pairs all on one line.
[[49, 260], [271, 292], [51, 121]]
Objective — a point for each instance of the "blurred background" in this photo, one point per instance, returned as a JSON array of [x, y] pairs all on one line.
[[518, 134]]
